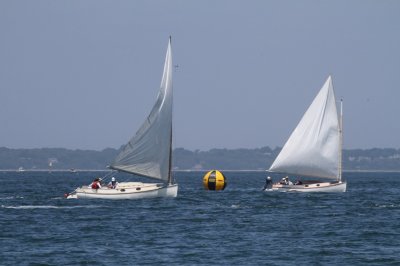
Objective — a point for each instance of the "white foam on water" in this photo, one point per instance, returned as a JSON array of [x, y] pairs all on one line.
[[25, 207], [11, 197], [386, 205]]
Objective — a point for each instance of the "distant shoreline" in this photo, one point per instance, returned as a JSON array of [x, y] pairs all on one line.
[[248, 160], [181, 171]]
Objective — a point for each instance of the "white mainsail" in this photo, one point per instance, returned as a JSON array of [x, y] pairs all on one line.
[[148, 153], [314, 147]]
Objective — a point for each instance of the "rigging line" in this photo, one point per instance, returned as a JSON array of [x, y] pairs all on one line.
[[123, 179], [107, 176]]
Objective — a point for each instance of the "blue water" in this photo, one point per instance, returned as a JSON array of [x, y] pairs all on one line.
[[238, 226]]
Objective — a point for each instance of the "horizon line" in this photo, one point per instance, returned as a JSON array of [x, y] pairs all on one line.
[[99, 150]]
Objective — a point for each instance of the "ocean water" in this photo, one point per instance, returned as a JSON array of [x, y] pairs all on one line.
[[238, 226]]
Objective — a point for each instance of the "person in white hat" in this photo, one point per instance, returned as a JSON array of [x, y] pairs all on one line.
[[113, 184]]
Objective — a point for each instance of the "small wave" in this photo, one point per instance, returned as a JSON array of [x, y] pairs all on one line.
[[321, 206], [25, 207], [11, 197], [386, 206]]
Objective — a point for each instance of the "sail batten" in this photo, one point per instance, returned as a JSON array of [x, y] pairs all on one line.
[[148, 152], [312, 148]]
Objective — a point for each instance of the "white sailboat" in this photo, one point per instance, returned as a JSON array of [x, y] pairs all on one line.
[[148, 153], [314, 149]]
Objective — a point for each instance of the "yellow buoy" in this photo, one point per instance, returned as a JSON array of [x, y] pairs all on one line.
[[214, 180]]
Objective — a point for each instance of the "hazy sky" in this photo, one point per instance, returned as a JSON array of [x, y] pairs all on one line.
[[85, 74]]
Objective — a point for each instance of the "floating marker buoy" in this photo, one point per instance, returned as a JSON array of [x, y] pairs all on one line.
[[214, 180]]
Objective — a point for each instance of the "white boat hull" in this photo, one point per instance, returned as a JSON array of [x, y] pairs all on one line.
[[127, 190], [314, 187]]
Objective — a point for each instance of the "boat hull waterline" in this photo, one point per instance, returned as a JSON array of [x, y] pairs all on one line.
[[128, 190], [316, 187]]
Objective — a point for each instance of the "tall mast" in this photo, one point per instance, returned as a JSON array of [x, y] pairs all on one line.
[[170, 140], [170, 161], [340, 140]]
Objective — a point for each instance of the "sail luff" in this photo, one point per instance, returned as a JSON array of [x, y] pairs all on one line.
[[148, 151], [312, 148]]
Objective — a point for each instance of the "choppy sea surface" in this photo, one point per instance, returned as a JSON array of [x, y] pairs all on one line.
[[238, 226]]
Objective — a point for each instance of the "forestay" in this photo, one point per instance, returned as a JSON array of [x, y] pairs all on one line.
[[148, 153], [313, 147]]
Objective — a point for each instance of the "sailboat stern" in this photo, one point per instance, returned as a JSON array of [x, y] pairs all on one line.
[[170, 191]]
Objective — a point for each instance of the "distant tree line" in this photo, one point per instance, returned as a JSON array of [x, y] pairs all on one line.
[[55, 158], [183, 159]]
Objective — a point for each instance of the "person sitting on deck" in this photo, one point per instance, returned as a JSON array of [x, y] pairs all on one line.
[[268, 183], [286, 181], [96, 184], [298, 182], [113, 184]]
